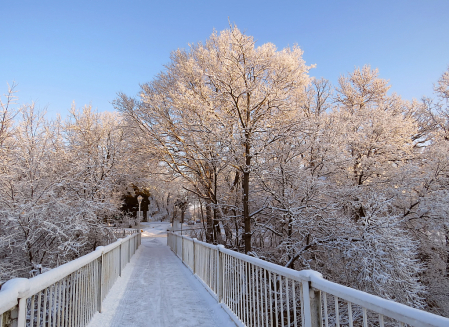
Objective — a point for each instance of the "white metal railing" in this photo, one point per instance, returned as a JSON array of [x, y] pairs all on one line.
[[258, 293], [68, 295]]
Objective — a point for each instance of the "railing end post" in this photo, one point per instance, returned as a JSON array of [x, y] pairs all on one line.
[[315, 307], [21, 319], [311, 299]]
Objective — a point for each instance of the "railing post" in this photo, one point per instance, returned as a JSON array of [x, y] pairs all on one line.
[[100, 283], [311, 299], [120, 260], [182, 249], [315, 307], [194, 263], [306, 304], [220, 269], [21, 319], [176, 244]]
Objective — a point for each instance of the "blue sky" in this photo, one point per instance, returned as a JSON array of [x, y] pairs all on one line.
[[87, 51]]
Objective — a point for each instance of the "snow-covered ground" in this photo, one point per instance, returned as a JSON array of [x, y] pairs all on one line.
[[156, 289]]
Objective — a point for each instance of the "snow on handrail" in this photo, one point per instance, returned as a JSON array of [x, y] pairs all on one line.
[[10, 292], [256, 292]]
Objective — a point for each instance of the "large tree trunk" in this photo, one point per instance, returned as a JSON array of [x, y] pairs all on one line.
[[246, 215], [209, 224]]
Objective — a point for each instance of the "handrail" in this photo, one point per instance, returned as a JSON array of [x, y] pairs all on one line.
[[259, 293], [69, 294], [388, 308]]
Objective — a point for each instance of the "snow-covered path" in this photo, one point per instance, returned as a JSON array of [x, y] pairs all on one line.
[[156, 289]]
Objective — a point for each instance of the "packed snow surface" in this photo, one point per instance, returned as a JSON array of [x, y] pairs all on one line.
[[156, 289]]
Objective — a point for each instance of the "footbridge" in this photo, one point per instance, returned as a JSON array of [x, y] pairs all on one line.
[[160, 278]]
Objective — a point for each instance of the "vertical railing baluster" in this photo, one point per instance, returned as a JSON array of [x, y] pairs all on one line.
[[271, 298], [77, 297], [256, 282], [100, 282], [287, 300], [44, 315], [70, 302], [253, 302], [240, 291], [303, 305], [94, 284], [73, 299], [337, 314], [295, 316], [83, 296], [276, 299], [261, 294], [326, 319], [248, 293], [79, 314], [31, 311], [365, 319], [63, 303], [281, 297], [82, 307], [39, 299], [85, 290], [220, 273], [233, 280], [266, 296], [90, 289], [209, 272], [50, 305], [57, 304], [88, 293], [351, 323], [223, 258]]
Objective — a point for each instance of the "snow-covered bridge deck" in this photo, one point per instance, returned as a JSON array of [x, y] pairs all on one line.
[[157, 289]]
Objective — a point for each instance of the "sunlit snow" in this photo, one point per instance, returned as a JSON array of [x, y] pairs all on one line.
[[156, 289]]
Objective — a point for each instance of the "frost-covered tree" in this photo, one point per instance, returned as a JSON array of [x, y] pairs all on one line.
[[219, 104], [335, 187], [38, 224], [350, 181], [58, 180], [426, 205]]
